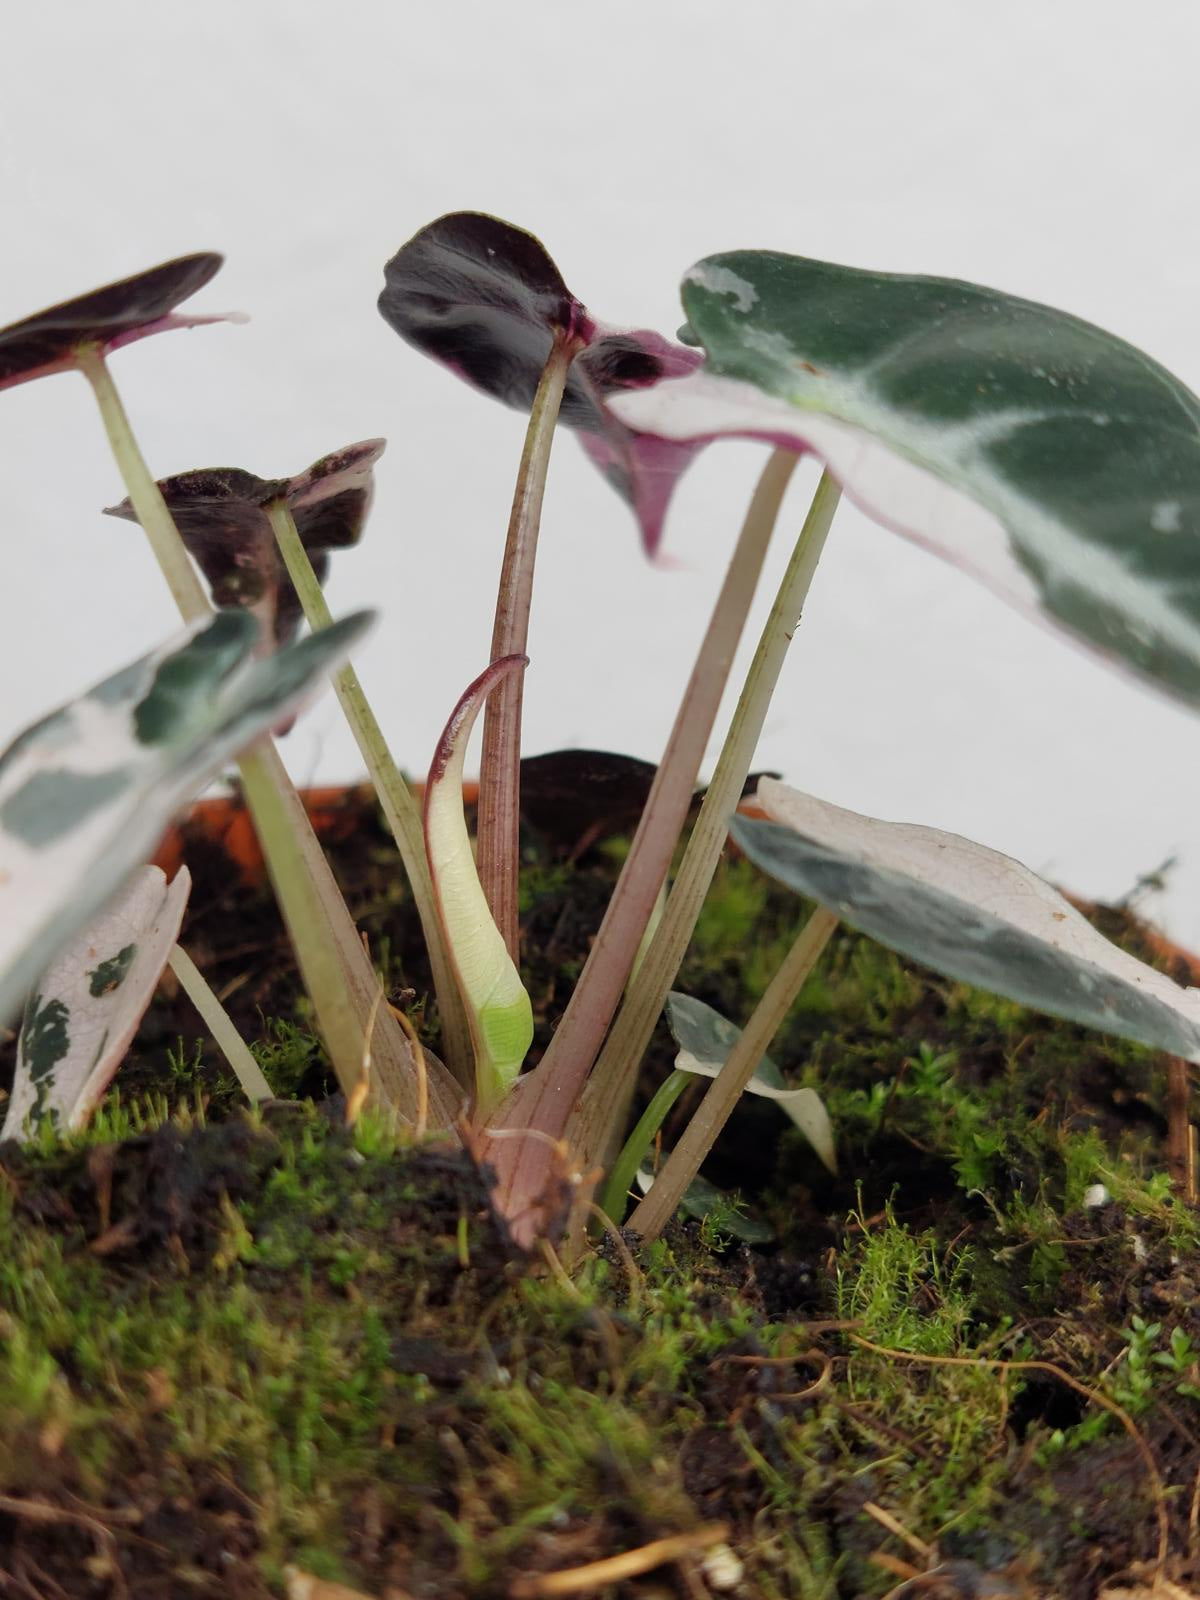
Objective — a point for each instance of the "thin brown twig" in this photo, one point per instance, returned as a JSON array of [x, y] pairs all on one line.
[[886, 1519], [821, 1381], [1092, 1395], [614, 1569], [40, 1511], [904, 1570], [633, 1272], [1181, 1158]]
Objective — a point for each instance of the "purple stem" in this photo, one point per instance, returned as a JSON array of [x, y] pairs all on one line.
[[498, 826], [545, 1099]]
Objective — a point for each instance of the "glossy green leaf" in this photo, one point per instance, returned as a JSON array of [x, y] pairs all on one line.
[[85, 1010], [969, 913], [86, 792], [705, 1039], [1046, 456]]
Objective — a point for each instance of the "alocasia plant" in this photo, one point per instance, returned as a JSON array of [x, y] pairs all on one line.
[[1048, 457], [79, 334]]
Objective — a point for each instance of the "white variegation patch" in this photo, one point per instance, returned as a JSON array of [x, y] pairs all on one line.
[[85, 1009], [86, 793], [967, 912], [972, 522], [1045, 456], [705, 1039]]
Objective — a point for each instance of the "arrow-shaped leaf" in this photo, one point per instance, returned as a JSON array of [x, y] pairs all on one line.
[[485, 299], [1046, 456], [85, 1010], [705, 1039], [969, 913], [86, 792], [221, 515], [105, 318]]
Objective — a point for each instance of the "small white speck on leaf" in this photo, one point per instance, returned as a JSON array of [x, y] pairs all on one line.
[[1166, 516], [1096, 1195], [722, 281]]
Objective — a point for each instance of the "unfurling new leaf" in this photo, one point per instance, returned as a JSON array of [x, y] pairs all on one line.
[[497, 1003]]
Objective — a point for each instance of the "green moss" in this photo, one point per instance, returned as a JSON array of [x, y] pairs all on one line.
[[301, 1344]]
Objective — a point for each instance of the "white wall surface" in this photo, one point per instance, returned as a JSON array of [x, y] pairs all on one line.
[[1050, 150]]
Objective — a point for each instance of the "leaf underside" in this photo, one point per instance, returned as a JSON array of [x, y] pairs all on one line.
[[221, 515], [969, 913], [86, 1008], [1049, 458], [484, 299], [128, 309]]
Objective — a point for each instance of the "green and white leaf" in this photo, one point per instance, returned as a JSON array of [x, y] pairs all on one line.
[[1051, 459], [85, 1009], [86, 793], [702, 1199], [705, 1039], [969, 913]]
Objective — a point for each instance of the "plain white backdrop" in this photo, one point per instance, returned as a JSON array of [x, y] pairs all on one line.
[[1050, 150]]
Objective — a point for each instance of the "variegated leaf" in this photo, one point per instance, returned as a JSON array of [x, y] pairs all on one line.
[[968, 912], [85, 1009], [86, 792], [1049, 458], [705, 1039]]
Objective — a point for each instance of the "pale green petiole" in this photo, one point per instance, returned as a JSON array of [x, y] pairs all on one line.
[[395, 797], [682, 1165], [497, 1004], [619, 1184], [335, 968], [612, 1081], [217, 1020], [144, 493]]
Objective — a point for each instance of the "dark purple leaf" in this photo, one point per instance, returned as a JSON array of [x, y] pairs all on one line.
[[221, 514], [574, 798], [108, 317], [485, 299]]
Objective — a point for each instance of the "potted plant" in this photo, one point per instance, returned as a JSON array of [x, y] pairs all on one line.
[[416, 1337]]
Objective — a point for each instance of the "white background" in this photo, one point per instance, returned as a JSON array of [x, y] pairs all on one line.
[[1050, 150]]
